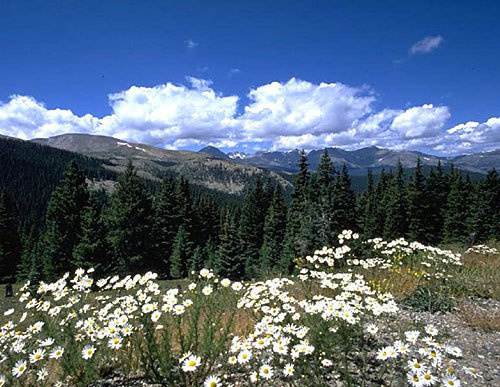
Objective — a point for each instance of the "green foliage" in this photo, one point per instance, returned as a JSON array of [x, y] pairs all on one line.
[[229, 263], [10, 242], [251, 226], [396, 221], [128, 219], [429, 299], [64, 221], [274, 233], [417, 206], [92, 249], [181, 254]]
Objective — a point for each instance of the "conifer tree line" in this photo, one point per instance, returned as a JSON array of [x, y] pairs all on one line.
[[175, 232]]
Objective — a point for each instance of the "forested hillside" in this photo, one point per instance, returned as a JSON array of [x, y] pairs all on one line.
[[175, 229], [29, 172]]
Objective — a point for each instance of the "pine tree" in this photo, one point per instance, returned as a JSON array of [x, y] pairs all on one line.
[[92, 249], [455, 221], [485, 213], [381, 199], [165, 223], [368, 215], [325, 208], [417, 206], [31, 267], [396, 220], [251, 229], [207, 215], [274, 232], [10, 242], [63, 224], [181, 254], [128, 220], [229, 263], [296, 242], [344, 203], [437, 192], [185, 215], [196, 261]]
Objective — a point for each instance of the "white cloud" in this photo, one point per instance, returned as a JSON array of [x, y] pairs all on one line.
[[297, 107], [292, 114], [426, 45], [421, 121], [25, 118], [190, 44]]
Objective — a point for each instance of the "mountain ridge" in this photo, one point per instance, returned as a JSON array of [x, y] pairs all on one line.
[[374, 158]]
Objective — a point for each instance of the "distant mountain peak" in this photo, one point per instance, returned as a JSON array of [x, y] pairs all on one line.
[[213, 151], [238, 155]]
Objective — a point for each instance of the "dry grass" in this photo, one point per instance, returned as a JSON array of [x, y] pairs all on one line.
[[478, 317]]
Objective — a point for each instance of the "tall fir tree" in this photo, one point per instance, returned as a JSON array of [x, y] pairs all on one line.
[[296, 243], [437, 192], [10, 241], [181, 254], [381, 199], [92, 250], [274, 232], [184, 206], [325, 176], [396, 219], [368, 214], [165, 224], [344, 203], [128, 220], [417, 206], [251, 228], [229, 263], [455, 221], [484, 221], [63, 224], [31, 267]]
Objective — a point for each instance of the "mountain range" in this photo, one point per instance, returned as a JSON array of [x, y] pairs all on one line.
[[201, 169], [212, 169], [358, 161]]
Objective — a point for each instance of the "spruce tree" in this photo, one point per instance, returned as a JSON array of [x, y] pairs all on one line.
[[344, 203], [63, 224], [181, 253], [92, 249], [10, 242], [128, 220], [417, 206], [165, 223], [484, 221], [251, 228], [274, 232], [31, 267], [396, 220], [437, 192], [368, 215], [296, 243], [229, 263], [381, 199], [455, 221], [324, 204]]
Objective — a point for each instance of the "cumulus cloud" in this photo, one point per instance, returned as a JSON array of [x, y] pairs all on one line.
[[278, 116], [25, 118], [297, 107], [426, 45]]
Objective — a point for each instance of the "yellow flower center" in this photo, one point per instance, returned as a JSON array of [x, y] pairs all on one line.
[[192, 363]]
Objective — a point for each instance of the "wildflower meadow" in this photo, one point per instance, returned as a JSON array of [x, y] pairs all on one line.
[[329, 324]]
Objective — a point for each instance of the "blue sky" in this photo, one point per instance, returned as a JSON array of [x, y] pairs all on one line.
[[255, 74]]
